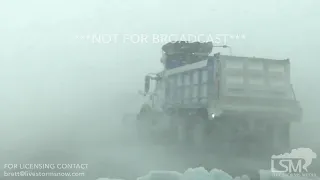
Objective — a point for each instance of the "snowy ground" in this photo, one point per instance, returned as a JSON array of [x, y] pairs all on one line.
[[115, 160], [115, 154]]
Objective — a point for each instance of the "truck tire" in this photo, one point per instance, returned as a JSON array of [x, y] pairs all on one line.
[[282, 138], [143, 127], [199, 135], [183, 130], [182, 133]]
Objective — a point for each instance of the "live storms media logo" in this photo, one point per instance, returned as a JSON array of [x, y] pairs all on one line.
[[295, 163]]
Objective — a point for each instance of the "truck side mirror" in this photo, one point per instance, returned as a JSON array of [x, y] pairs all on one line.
[[146, 84]]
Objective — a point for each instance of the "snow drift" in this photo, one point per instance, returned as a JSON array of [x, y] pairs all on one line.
[[201, 174]]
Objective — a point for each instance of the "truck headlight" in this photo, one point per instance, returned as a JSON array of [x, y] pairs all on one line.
[[213, 115]]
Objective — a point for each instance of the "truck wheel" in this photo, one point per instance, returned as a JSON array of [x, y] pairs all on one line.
[[199, 134], [143, 128], [182, 133], [282, 138]]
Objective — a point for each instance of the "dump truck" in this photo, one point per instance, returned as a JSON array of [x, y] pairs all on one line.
[[210, 101]]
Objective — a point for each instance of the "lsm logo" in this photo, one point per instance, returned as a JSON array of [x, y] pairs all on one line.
[[295, 163]]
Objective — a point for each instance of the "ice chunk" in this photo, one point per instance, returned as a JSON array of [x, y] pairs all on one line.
[[217, 174], [161, 175], [201, 173], [244, 177], [108, 179]]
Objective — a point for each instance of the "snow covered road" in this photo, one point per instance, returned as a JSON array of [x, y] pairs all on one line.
[[117, 154]]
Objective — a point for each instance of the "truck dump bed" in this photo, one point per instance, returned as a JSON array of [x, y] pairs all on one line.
[[232, 84], [255, 77]]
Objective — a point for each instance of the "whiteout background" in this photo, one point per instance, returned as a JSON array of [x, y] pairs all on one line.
[[57, 91]]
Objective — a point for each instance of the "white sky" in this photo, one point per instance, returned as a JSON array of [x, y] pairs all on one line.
[[47, 76]]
